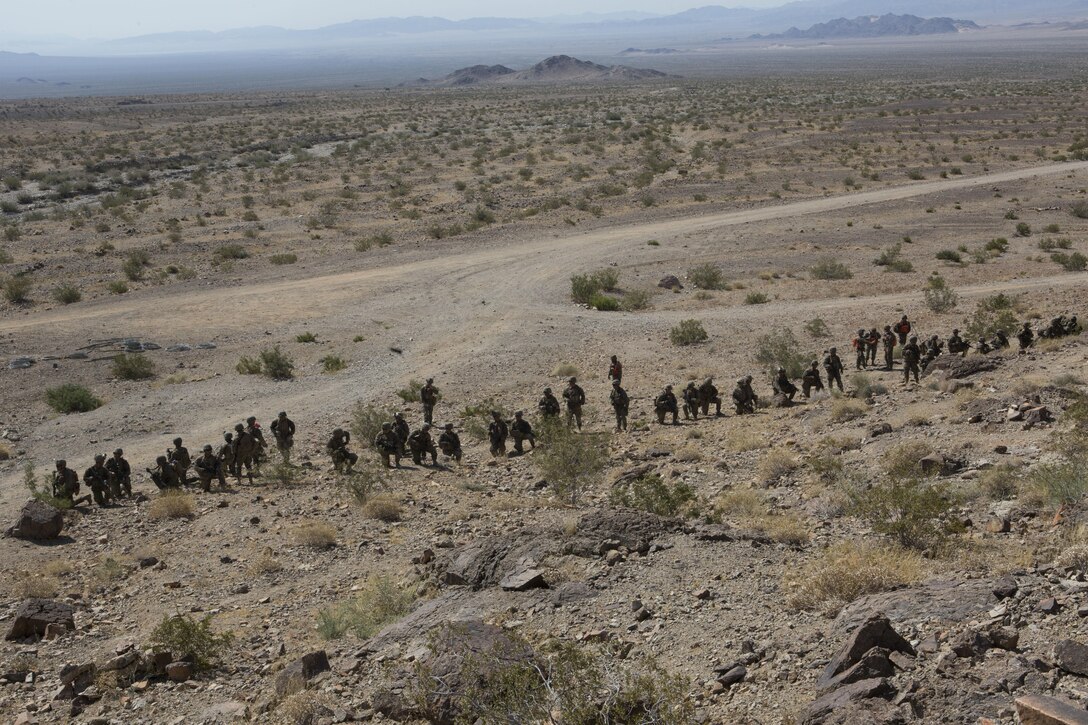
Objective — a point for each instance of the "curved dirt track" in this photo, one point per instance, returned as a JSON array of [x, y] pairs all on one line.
[[487, 317]]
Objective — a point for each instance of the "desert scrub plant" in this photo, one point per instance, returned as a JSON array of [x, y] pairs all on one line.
[[756, 298], [992, 314], [366, 422], [117, 287], [635, 300], [17, 289], [231, 251], [133, 266], [779, 348], [133, 367], [786, 529], [306, 337], [938, 296], [42, 490], [71, 398], [1075, 262], [379, 602], [1023, 229], [249, 366], [333, 363], [742, 441], [571, 463], [276, 364], [830, 269], [604, 303], [845, 409], [816, 328], [67, 294], [688, 332], [183, 636], [1080, 210], [315, 535], [850, 570], [707, 276], [171, 505], [410, 392], [5, 256], [775, 465], [366, 478], [652, 493], [865, 387], [384, 507], [1058, 484], [999, 483], [282, 259], [916, 515], [904, 461], [583, 287]]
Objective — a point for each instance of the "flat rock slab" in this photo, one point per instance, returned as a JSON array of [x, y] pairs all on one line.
[[38, 521], [946, 601], [293, 677], [847, 696], [34, 615], [523, 581], [1043, 710], [1072, 656]]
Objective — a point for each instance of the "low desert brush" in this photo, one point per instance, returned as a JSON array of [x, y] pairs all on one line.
[[384, 507], [850, 570], [171, 505], [315, 535]]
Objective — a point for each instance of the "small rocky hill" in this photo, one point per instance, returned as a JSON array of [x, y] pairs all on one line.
[[874, 26], [556, 69]]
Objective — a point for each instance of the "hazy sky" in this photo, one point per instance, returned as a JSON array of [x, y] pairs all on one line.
[[119, 18]]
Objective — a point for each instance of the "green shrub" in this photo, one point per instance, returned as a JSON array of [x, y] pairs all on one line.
[[249, 366], [865, 387], [378, 603], [688, 332], [845, 409], [999, 245], [191, 639], [992, 314], [817, 328], [651, 493], [950, 255], [133, 266], [756, 298], [333, 363], [607, 279], [1060, 484], [939, 297], [780, 348], [67, 294], [916, 515], [306, 337], [71, 398], [707, 276], [117, 287], [902, 462], [133, 367], [282, 259], [17, 289], [604, 303], [828, 268], [5, 256], [231, 251], [635, 300], [276, 364], [889, 255], [43, 489], [410, 393], [582, 288], [1075, 262], [1080, 210], [1023, 229], [850, 570], [571, 462], [366, 422]]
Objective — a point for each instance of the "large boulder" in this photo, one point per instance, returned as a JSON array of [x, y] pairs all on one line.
[[38, 521], [1043, 710], [34, 615], [948, 600], [948, 367], [848, 698], [670, 281], [295, 676], [865, 653]]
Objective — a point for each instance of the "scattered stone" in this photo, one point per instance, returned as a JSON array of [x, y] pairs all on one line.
[[733, 676], [847, 696], [997, 525], [1006, 587], [296, 675], [1001, 450], [877, 632], [524, 581], [34, 615], [1072, 656], [148, 561], [179, 671], [38, 521], [880, 430], [1049, 605], [669, 281], [1043, 710]]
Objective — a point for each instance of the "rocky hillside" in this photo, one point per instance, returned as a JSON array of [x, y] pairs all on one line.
[[556, 69], [876, 26]]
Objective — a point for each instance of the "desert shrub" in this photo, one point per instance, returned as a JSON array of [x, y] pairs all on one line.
[[192, 639], [1080, 210], [117, 287], [333, 363], [604, 303], [782, 528], [133, 266], [688, 332], [383, 507], [780, 348], [366, 423], [171, 505], [1073, 558], [282, 259], [756, 298], [607, 279], [992, 314], [891, 257], [939, 297], [950, 255], [999, 245], [71, 398], [742, 441], [776, 465], [315, 535], [999, 483], [306, 337], [67, 294], [635, 300], [1023, 229], [1075, 262], [276, 364], [707, 276], [249, 366], [42, 490], [743, 503], [379, 602], [582, 288], [231, 251], [5, 256], [828, 268], [902, 462], [5, 451], [817, 328], [17, 289], [1059, 484], [133, 367], [652, 493], [915, 514], [848, 571], [410, 393], [845, 409], [27, 585], [365, 479], [866, 387], [570, 462]]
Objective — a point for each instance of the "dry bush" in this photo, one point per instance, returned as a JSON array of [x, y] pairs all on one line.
[[172, 505], [35, 586], [1074, 557], [383, 507], [58, 567], [565, 371], [266, 563], [776, 464], [741, 503], [849, 570], [5, 452], [316, 535], [783, 528], [689, 454], [999, 483], [378, 602], [901, 462], [742, 441], [303, 708], [845, 409]]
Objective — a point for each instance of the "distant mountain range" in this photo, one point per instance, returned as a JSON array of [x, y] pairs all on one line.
[[876, 27], [556, 69]]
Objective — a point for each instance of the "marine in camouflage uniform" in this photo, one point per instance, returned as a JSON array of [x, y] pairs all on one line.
[[666, 404], [521, 431], [497, 433], [209, 466], [575, 398], [120, 474], [283, 430], [342, 458], [421, 444], [549, 404], [450, 443], [388, 445], [621, 404], [97, 478], [428, 395]]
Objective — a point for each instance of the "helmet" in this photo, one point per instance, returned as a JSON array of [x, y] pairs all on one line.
[[668, 387], [207, 449], [861, 332], [99, 457], [239, 427], [430, 380], [914, 338], [956, 331], [251, 419], [615, 383], [547, 391], [781, 369], [118, 452], [385, 426], [61, 463], [340, 431], [282, 414], [833, 350], [747, 378], [160, 460], [518, 414], [177, 441], [449, 426], [398, 415], [573, 380], [228, 437], [426, 426]]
